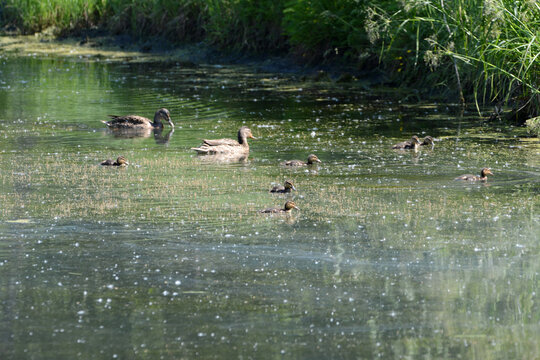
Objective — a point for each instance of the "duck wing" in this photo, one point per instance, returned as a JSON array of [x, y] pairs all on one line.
[[127, 121], [402, 145], [467, 177], [294, 163], [217, 142], [221, 149]]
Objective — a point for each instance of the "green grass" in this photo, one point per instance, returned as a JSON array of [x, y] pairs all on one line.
[[484, 51]]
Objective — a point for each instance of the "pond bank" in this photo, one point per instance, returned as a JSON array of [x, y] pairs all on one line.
[[100, 46]]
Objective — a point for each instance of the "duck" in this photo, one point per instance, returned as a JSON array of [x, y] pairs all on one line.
[[428, 140], [414, 143], [287, 187], [139, 122], [289, 205], [310, 161], [469, 177], [227, 146], [120, 161]]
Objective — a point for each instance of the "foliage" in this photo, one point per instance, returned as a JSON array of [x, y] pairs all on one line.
[[481, 50], [533, 125], [487, 48]]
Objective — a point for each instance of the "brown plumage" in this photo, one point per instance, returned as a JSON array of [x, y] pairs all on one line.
[[289, 205], [286, 188], [428, 140], [414, 143], [470, 177], [120, 161], [310, 160], [227, 146], [139, 122]]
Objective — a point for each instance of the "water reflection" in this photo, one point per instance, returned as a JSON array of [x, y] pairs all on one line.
[[159, 135], [389, 256]]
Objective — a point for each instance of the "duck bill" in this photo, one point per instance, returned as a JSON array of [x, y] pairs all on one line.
[[292, 187], [170, 122], [252, 137], [296, 207]]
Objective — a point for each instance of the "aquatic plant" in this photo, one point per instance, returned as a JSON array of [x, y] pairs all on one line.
[[488, 49], [483, 50]]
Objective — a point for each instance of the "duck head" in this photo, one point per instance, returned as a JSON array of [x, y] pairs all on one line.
[[163, 114], [121, 161], [313, 159], [289, 205], [245, 133], [289, 185], [485, 172]]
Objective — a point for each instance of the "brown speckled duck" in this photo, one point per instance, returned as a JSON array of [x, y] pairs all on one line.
[[428, 141], [289, 205], [227, 146], [120, 161], [310, 161], [282, 189], [470, 177], [139, 122], [414, 143]]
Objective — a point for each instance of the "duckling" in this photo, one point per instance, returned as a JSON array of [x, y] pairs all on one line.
[[287, 188], [139, 122], [414, 143], [428, 140], [227, 146], [289, 205], [120, 161], [469, 177], [310, 160]]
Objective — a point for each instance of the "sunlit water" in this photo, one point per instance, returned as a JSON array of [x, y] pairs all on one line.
[[389, 257]]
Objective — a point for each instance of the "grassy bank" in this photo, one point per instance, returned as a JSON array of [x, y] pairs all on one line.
[[482, 50]]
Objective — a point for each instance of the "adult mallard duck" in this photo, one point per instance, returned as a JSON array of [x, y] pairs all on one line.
[[470, 177], [139, 122], [286, 188], [289, 205], [414, 143], [310, 161], [120, 161], [227, 146]]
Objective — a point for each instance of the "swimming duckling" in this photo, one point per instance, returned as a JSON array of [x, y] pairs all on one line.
[[120, 161], [428, 140], [139, 122], [310, 160], [227, 146], [470, 177], [414, 143], [287, 188], [289, 205]]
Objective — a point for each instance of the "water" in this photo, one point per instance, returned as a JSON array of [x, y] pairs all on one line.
[[389, 257]]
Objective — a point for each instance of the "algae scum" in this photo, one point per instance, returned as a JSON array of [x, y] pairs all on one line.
[[388, 257]]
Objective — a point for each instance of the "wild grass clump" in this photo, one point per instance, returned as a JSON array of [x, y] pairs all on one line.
[[486, 51]]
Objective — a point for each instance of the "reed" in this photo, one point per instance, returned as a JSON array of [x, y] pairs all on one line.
[[485, 51]]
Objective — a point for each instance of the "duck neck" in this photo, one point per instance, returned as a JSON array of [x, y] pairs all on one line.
[[157, 122], [242, 140]]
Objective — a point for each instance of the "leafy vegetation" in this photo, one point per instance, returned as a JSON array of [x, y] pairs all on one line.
[[481, 50]]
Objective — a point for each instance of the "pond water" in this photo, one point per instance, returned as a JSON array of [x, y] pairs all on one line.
[[388, 257]]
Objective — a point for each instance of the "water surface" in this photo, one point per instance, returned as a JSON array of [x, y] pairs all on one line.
[[389, 257]]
